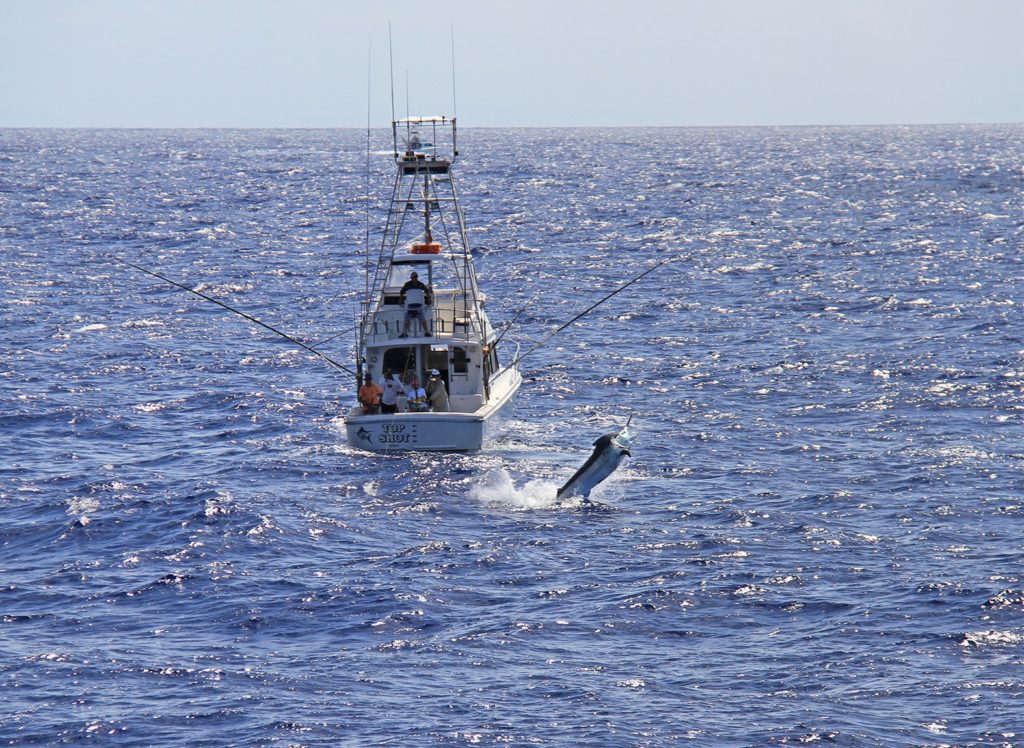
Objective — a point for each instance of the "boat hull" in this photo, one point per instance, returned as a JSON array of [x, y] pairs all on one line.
[[432, 432], [443, 432]]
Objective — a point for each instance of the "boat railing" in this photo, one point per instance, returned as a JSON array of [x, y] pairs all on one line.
[[445, 321], [430, 139]]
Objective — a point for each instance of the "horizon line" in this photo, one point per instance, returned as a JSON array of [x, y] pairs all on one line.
[[362, 128]]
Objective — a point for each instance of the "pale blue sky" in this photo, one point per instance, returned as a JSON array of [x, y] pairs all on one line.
[[303, 63]]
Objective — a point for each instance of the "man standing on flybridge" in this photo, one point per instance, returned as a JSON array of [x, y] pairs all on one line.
[[415, 296]]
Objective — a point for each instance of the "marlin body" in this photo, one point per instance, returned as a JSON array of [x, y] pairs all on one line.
[[608, 453]]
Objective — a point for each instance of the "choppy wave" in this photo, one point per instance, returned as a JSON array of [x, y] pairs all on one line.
[[817, 539]]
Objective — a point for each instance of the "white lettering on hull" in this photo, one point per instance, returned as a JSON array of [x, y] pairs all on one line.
[[388, 434]]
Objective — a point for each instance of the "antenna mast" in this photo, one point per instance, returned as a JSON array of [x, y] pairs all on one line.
[[455, 108], [391, 70], [369, 85]]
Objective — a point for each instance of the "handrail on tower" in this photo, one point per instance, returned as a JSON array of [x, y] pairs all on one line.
[[437, 148]]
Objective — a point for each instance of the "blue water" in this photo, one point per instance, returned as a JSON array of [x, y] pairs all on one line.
[[818, 538]]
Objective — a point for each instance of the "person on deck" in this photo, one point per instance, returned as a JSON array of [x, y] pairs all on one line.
[[414, 309], [389, 398], [436, 393], [416, 396], [369, 396]]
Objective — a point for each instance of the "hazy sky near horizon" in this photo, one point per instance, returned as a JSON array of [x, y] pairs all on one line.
[[307, 63]]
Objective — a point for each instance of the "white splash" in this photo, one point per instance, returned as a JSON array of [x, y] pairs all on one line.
[[496, 488]]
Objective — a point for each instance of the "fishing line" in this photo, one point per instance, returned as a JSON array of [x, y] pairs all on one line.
[[508, 327], [249, 317], [595, 305], [355, 328]]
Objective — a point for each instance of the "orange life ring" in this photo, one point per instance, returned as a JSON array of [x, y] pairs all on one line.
[[430, 248]]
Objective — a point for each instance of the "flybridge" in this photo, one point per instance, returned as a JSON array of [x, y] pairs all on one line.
[[424, 145]]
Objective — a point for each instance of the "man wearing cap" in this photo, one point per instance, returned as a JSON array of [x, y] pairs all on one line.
[[369, 396], [436, 393]]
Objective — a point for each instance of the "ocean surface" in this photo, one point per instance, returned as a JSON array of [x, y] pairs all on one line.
[[819, 538]]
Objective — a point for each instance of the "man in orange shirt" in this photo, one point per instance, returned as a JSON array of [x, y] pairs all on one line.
[[369, 396]]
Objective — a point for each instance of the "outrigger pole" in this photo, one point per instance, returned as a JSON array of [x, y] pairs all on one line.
[[369, 85], [593, 306], [249, 317], [366, 205]]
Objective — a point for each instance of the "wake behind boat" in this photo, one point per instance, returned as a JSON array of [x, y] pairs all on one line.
[[423, 323]]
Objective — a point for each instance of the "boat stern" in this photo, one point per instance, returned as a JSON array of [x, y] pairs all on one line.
[[437, 432]]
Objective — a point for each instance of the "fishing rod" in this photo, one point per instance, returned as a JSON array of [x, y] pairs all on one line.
[[594, 306], [249, 317]]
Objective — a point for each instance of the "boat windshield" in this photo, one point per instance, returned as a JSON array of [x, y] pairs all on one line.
[[402, 271]]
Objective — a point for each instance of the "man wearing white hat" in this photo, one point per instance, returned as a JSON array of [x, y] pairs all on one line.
[[436, 393]]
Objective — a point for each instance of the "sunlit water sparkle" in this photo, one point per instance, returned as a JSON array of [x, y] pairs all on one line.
[[817, 539]]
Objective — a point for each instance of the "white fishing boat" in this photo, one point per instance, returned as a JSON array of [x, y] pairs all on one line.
[[424, 311]]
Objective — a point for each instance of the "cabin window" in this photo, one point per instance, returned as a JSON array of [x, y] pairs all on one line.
[[400, 360], [460, 361], [438, 359]]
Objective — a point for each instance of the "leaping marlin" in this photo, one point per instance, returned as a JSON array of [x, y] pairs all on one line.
[[608, 453]]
